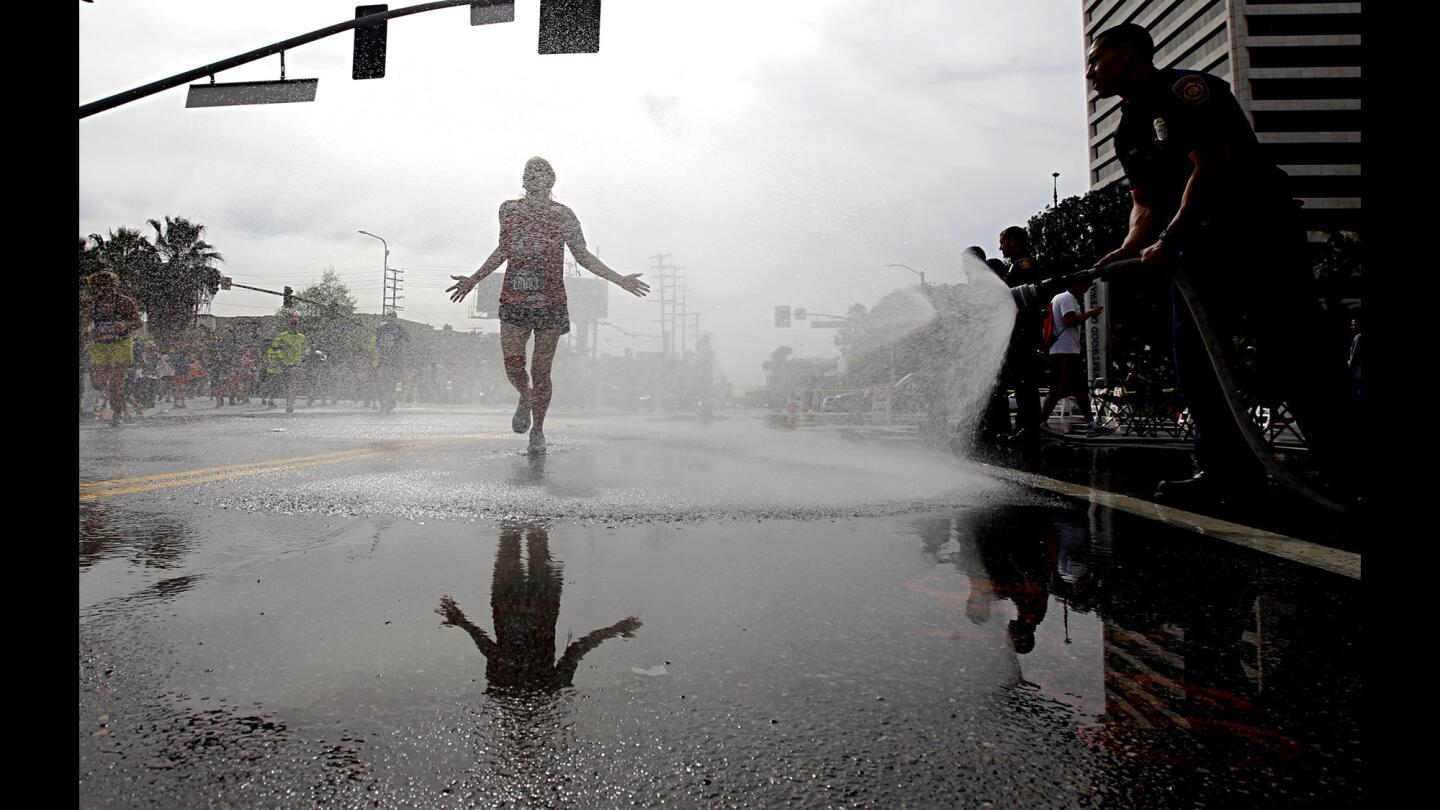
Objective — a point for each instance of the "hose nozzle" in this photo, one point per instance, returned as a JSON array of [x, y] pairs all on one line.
[[1028, 295]]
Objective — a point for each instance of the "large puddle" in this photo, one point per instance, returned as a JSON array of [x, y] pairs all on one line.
[[1017, 652]]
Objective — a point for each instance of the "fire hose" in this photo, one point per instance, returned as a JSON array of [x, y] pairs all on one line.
[[1028, 295]]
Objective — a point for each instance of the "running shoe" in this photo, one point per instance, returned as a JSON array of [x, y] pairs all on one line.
[[537, 441], [521, 422]]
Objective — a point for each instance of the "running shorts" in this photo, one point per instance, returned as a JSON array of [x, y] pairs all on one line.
[[541, 319]]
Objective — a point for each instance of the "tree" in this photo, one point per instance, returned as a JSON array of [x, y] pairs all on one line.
[[330, 296], [842, 337], [328, 323], [126, 253], [778, 359], [89, 259], [1072, 236], [185, 279]]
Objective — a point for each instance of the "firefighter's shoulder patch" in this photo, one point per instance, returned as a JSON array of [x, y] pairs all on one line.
[[1191, 89]]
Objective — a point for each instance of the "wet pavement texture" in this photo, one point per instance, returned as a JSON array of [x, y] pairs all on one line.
[[353, 610]]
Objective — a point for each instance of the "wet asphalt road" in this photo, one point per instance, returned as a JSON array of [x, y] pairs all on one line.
[[355, 610]]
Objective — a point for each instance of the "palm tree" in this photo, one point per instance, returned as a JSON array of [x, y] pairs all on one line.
[[125, 252], [186, 278]]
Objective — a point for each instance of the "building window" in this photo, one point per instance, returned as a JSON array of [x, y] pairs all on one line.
[[1220, 67], [1300, 25], [1307, 120], [1180, 11], [1305, 88], [1283, 154], [1325, 185], [1306, 56], [1170, 44], [1107, 173], [1218, 41]]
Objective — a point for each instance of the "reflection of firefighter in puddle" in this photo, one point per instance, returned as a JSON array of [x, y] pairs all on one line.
[[1019, 550], [525, 601]]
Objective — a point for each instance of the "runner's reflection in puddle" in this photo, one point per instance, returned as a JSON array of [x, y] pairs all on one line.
[[525, 606], [529, 471]]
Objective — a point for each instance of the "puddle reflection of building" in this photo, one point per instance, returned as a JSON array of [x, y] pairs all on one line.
[[1185, 654], [1196, 658], [525, 607]]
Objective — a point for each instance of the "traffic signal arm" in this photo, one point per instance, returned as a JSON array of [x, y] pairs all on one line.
[[127, 96]]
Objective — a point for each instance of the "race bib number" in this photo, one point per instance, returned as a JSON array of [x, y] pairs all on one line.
[[527, 281]]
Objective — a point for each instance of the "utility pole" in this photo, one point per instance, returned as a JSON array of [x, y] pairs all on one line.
[[677, 312], [392, 290], [659, 267]]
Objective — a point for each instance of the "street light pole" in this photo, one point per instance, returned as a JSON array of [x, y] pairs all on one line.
[[911, 269], [385, 273], [1055, 189]]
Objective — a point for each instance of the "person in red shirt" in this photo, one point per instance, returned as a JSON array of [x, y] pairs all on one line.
[[534, 231]]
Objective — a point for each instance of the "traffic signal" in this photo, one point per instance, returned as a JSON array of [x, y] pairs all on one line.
[[782, 316], [289, 299], [801, 313], [569, 26], [369, 60], [224, 282]]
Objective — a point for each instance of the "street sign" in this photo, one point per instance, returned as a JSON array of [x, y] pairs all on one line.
[[829, 324], [236, 93]]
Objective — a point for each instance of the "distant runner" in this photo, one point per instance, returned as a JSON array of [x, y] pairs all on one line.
[[533, 233], [391, 344], [282, 363], [109, 323]]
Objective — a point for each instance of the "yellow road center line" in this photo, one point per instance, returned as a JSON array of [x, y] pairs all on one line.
[[90, 496], [1344, 563], [209, 470], [147, 483]]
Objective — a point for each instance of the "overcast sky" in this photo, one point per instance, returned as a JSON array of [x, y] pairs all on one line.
[[782, 152]]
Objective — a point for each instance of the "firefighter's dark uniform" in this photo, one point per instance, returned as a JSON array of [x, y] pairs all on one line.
[[1020, 358], [1244, 253], [1019, 371]]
